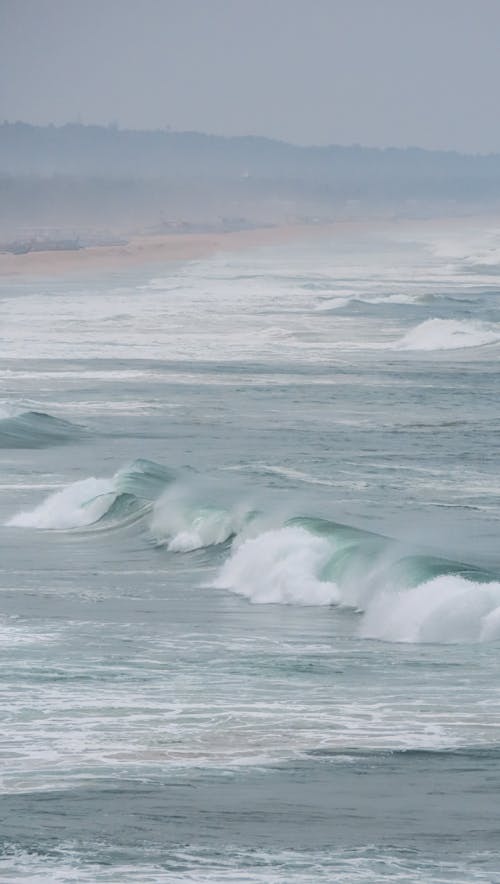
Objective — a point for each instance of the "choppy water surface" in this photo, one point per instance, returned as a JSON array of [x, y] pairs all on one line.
[[250, 576]]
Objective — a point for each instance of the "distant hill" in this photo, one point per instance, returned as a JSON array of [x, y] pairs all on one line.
[[79, 150], [78, 174]]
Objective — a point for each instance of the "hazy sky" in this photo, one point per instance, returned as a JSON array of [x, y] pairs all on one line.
[[376, 72]]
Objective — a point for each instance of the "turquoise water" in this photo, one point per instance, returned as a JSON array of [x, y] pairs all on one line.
[[250, 579]]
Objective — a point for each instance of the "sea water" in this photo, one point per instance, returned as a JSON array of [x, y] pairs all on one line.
[[250, 574]]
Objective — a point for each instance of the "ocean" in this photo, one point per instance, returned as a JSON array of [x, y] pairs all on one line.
[[250, 573]]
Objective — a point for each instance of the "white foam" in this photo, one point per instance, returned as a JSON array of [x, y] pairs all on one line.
[[445, 609], [14, 633], [449, 334], [178, 520], [75, 506], [183, 525], [281, 566], [285, 566], [235, 865]]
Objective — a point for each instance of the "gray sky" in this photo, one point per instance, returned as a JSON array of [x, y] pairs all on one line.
[[375, 72]]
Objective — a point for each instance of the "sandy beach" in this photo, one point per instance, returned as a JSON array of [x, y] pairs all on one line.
[[144, 250], [157, 249]]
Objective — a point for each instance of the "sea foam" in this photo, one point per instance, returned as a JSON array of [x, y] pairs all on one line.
[[400, 594], [75, 506], [116, 500], [181, 523], [281, 566], [176, 509], [294, 566], [449, 334]]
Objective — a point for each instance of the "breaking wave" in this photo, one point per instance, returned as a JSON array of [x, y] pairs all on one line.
[[125, 497], [449, 334], [398, 593], [34, 429], [178, 517], [182, 523]]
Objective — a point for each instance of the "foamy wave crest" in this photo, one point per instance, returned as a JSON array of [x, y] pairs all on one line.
[[400, 595], [80, 504], [182, 524], [173, 507], [446, 609], [449, 334], [125, 497], [282, 566]]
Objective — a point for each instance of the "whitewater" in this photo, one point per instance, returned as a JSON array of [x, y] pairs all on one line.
[[250, 576]]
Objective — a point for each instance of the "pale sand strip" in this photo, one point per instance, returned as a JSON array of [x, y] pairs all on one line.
[[142, 251], [145, 250]]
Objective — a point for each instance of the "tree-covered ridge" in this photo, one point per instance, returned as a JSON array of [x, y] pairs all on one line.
[[88, 151]]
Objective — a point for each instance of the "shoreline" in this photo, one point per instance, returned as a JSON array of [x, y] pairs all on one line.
[[145, 250], [156, 249]]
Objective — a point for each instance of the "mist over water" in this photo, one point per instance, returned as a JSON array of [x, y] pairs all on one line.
[[250, 580]]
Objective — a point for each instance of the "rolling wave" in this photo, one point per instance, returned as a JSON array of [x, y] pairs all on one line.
[[127, 496], [182, 523], [326, 305], [176, 518], [399, 593], [35, 429]]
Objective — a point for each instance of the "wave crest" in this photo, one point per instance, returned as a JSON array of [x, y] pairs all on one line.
[[182, 524], [400, 596], [282, 566], [125, 497], [449, 334], [178, 517], [34, 429]]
